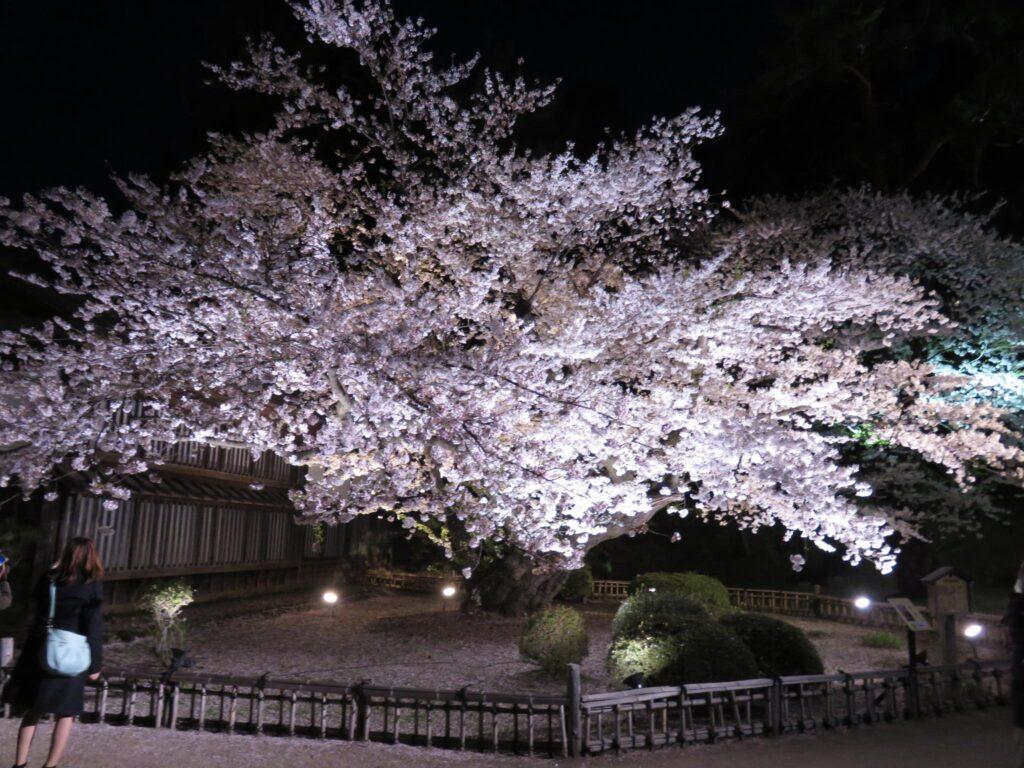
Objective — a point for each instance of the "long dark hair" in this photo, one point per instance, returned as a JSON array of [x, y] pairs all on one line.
[[78, 562]]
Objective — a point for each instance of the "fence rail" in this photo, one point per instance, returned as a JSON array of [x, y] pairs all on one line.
[[454, 719], [791, 603], [557, 726], [816, 605], [413, 582], [808, 604], [781, 601], [654, 717]]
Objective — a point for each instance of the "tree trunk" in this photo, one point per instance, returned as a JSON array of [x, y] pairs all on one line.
[[515, 585], [914, 562]]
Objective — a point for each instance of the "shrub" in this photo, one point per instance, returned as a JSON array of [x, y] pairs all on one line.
[[164, 602], [647, 614], [553, 638], [706, 590], [779, 648], [882, 639], [579, 586], [698, 651]]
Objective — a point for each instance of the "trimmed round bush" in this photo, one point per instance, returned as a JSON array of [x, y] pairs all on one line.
[[699, 651], [579, 586], [646, 614], [706, 590], [553, 638], [779, 648]]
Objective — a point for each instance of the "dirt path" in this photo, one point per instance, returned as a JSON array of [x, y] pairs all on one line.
[[980, 740]]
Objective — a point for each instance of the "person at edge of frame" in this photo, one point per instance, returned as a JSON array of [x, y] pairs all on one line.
[[32, 691]]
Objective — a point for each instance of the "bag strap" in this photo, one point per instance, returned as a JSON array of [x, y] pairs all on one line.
[[53, 604]]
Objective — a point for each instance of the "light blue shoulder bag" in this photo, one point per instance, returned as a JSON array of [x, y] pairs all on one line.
[[66, 653]]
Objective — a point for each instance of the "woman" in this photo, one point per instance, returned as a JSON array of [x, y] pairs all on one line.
[[78, 576]]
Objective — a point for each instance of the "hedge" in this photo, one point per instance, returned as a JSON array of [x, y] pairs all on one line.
[[579, 586], [698, 651], [706, 590], [553, 638], [655, 613], [779, 648]]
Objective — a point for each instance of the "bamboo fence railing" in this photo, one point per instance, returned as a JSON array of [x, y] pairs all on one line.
[[575, 723]]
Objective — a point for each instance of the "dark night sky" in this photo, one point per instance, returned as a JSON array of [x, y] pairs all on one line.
[[95, 87]]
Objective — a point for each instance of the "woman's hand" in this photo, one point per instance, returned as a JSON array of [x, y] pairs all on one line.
[[95, 675]]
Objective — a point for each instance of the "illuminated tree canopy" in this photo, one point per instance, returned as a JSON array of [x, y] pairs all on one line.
[[385, 288]]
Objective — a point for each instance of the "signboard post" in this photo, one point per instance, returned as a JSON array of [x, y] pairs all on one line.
[[910, 613], [949, 597], [915, 622]]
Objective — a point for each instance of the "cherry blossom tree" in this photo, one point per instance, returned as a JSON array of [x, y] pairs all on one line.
[[538, 351]]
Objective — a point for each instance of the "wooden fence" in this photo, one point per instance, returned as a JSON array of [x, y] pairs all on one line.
[[784, 602], [413, 582], [575, 723], [809, 604], [655, 717], [557, 726], [454, 719], [816, 605]]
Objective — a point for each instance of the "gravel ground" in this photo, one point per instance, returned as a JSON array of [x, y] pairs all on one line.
[[408, 639], [979, 740], [398, 639]]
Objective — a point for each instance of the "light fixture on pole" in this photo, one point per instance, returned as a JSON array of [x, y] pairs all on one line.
[[330, 598], [447, 592], [973, 633], [862, 602]]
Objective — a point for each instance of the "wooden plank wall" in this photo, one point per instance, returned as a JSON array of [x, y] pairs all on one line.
[[146, 534]]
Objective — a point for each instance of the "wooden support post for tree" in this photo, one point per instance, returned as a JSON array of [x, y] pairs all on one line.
[[573, 693]]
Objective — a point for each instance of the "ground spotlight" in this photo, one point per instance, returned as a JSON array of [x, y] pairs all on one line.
[[448, 591], [330, 597], [862, 603], [973, 631]]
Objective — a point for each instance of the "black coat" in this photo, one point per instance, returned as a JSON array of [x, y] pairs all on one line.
[[1014, 620], [78, 610]]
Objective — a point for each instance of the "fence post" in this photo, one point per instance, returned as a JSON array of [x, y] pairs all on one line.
[[573, 694], [776, 707], [913, 688], [362, 711]]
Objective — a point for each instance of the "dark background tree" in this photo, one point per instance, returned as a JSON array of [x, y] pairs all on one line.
[[922, 95]]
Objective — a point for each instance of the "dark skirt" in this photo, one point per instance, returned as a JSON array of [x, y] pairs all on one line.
[[31, 689]]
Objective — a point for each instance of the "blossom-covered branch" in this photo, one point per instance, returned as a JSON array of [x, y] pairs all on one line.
[[386, 289]]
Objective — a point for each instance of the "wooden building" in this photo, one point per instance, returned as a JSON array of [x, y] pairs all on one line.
[[213, 516]]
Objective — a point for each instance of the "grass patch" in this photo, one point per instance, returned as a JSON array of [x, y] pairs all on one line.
[[882, 640]]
